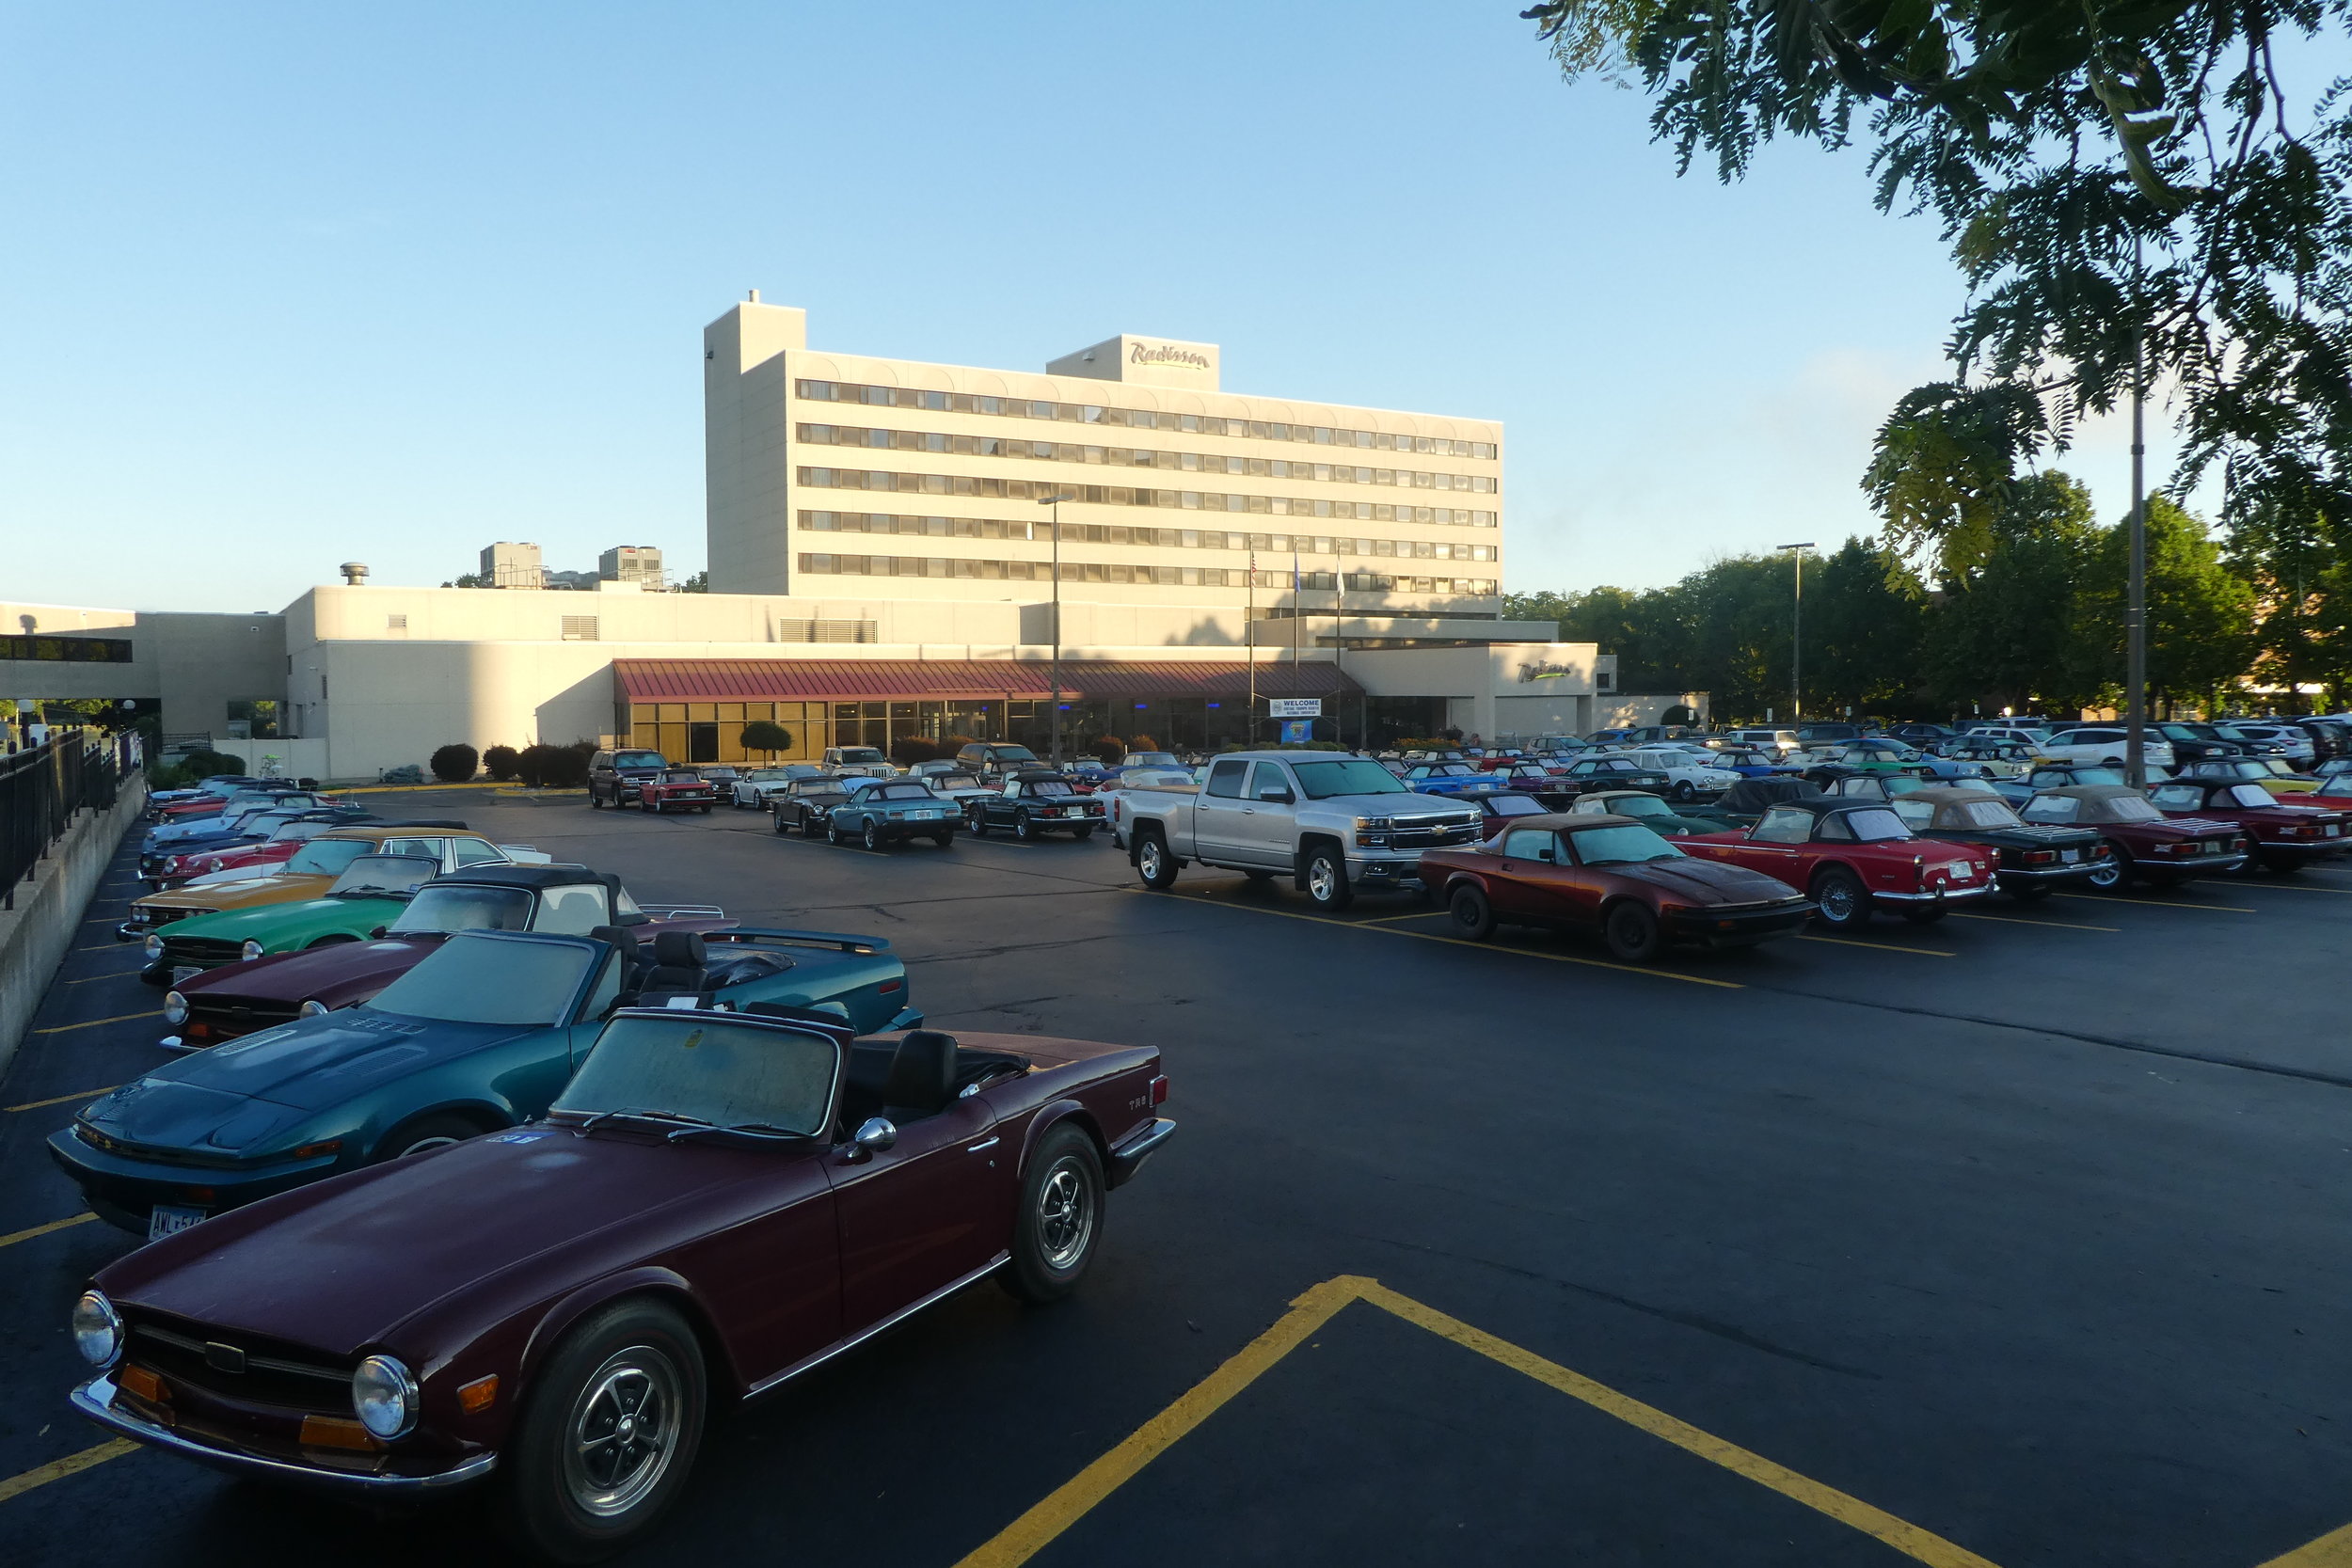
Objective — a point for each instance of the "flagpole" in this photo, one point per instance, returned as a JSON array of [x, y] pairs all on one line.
[[1249, 649]]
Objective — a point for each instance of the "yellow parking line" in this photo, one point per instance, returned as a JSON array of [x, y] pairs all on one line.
[[15, 1236], [58, 1469], [2154, 903], [2051, 925], [1382, 919], [59, 1099], [2299, 887], [1881, 946], [114, 974], [1458, 941], [1074, 1498], [119, 1017], [2332, 1550]]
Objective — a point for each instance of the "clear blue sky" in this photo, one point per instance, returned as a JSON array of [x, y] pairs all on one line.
[[289, 285]]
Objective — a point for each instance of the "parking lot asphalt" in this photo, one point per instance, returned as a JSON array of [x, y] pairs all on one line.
[[2015, 1240]]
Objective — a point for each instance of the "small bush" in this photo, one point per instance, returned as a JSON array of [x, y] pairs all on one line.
[[456, 762], [554, 766], [952, 743], [765, 734], [499, 761], [1143, 743], [203, 764], [168, 775], [406, 773], [911, 749], [1110, 749]]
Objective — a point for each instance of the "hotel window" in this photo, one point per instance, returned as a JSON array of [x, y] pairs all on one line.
[[580, 628]]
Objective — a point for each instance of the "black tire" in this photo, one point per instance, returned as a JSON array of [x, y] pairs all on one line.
[[2279, 865], [1684, 790], [653, 808], [1056, 1229], [832, 834], [1023, 828], [2113, 873], [1083, 833], [1843, 903], [1474, 916], [979, 824], [635, 1346], [1631, 929], [779, 819], [810, 828], [1326, 876], [2029, 893], [871, 836], [433, 1130], [705, 811], [594, 803], [1153, 863], [945, 838]]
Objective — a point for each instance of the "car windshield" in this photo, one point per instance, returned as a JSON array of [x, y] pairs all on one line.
[[1011, 753], [858, 753], [1164, 759], [1322, 781], [294, 832], [326, 857], [2098, 776], [455, 907], [1876, 825], [485, 979], [640, 759], [681, 775], [2187, 732], [766, 775], [1159, 778], [901, 792], [2238, 732], [702, 1068], [1623, 845], [1515, 806], [373, 875], [1639, 805]]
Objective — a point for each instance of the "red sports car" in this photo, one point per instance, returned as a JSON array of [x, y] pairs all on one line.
[[1853, 856], [718, 1202], [2283, 833], [1587, 871], [676, 789], [2147, 844]]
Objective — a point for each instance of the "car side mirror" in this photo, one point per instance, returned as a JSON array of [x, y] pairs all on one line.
[[875, 1135], [377, 935], [1279, 796], [1547, 855]]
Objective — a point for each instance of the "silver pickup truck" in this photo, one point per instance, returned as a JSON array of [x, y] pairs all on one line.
[[1333, 823]]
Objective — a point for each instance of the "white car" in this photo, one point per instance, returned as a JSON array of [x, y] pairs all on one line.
[[1113, 795], [1689, 775], [755, 788], [2101, 744], [2300, 752], [1781, 741]]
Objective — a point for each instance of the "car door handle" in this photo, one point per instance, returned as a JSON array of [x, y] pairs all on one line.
[[985, 1143]]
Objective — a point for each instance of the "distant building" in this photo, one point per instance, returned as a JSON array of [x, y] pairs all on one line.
[[637, 563], [585, 581], [507, 564]]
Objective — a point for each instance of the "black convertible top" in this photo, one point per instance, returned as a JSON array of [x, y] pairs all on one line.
[[562, 875], [1759, 795]]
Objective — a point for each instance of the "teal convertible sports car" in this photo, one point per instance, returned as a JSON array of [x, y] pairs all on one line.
[[477, 1037]]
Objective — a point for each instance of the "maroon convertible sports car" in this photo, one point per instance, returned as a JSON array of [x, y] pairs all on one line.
[[718, 1202]]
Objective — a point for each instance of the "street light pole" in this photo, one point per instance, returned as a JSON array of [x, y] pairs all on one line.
[[1796, 641], [1053, 717], [2136, 611]]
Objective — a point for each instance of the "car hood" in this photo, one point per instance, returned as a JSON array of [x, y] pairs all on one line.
[[1704, 882], [340, 1264], [260, 919], [245, 893], [1413, 807], [305, 1067], [339, 972]]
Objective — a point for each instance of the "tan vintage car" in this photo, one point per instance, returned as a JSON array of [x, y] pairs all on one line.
[[314, 868]]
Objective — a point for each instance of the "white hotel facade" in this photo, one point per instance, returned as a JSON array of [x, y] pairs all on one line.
[[880, 565]]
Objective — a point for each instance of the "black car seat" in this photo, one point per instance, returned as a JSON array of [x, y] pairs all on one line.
[[633, 962], [922, 1080], [682, 967]]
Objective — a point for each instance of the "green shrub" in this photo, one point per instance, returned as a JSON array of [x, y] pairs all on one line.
[[499, 761], [455, 763], [1109, 749], [203, 764], [765, 734], [908, 750], [554, 766]]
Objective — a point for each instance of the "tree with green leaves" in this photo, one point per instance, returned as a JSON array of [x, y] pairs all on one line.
[[2005, 630], [2130, 192], [765, 734], [2201, 614], [1863, 632]]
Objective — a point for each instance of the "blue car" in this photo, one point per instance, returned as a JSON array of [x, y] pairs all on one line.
[[878, 811], [477, 1037], [1451, 778], [1754, 762]]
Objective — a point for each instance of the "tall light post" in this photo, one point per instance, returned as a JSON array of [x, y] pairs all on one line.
[[1054, 714], [2135, 607], [1796, 640]]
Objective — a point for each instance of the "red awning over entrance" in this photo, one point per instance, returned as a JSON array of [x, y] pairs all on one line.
[[761, 680]]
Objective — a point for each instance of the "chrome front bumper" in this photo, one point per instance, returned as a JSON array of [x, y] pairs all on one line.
[[1936, 896], [95, 1399]]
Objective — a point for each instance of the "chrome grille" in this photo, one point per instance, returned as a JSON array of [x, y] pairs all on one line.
[[288, 1381], [202, 952]]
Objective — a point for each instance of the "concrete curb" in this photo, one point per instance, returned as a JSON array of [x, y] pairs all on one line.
[[36, 935]]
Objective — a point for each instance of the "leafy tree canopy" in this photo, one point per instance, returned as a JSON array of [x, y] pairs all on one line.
[[2105, 171]]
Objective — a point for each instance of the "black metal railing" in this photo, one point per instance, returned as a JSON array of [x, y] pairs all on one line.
[[42, 787]]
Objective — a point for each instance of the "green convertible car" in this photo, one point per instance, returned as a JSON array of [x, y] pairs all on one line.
[[476, 1038], [371, 892]]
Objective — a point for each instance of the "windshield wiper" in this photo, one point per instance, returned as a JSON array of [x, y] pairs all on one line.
[[638, 1111], [766, 1132]]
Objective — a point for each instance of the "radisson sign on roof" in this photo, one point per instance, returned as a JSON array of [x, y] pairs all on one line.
[[1145, 361]]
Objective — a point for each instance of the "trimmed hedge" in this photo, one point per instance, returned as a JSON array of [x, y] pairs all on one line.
[[501, 762], [455, 763]]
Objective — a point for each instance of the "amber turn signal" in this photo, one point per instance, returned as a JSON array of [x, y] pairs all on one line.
[[312, 1150], [139, 1380], [475, 1397], [333, 1431]]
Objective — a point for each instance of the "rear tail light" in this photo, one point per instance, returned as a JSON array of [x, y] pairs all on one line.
[[2040, 857], [1159, 1090]]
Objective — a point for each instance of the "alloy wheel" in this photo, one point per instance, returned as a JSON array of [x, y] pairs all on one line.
[[622, 1432], [1065, 1215], [1322, 878]]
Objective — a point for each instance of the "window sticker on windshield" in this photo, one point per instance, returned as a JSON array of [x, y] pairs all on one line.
[[517, 1137]]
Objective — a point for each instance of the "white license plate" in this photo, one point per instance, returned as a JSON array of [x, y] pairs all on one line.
[[184, 972], [926, 815], [169, 1220], [2069, 856], [2334, 830]]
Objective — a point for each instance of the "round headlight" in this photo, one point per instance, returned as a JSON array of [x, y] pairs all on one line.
[[312, 1008], [97, 1331], [250, 951], [384, 1397], [175, 1009], [154, 947]]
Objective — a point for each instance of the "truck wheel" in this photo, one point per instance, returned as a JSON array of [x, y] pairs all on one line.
[[609, 1427], [1843, 903], [1632, 932], [1474, 916], [1327, 878], [1154, 864]]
